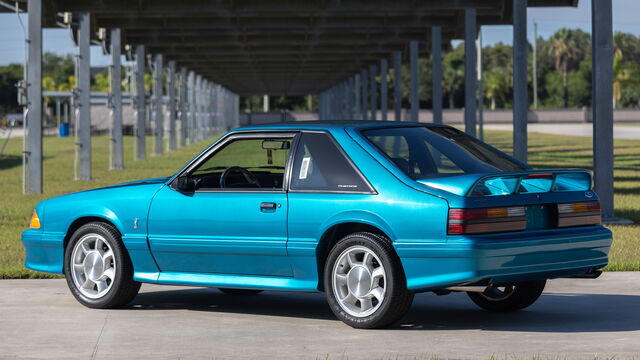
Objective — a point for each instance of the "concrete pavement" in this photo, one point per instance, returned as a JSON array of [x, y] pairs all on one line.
[[574, 319], [619, 131]]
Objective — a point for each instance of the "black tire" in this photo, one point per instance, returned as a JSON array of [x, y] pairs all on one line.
[[239, 292], [516, 296], [397, 299], [124, 289]]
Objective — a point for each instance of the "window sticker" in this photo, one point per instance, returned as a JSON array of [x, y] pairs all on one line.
[[304, 168]]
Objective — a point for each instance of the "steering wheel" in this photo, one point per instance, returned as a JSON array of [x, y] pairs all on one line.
[[248, 176]]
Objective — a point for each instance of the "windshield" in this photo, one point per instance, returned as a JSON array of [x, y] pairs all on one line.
[[432, 152]]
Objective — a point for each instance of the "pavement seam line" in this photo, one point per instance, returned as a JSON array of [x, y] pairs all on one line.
[[95, 348]]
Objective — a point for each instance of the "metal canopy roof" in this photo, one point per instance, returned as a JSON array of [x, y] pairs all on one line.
[[291, 47]]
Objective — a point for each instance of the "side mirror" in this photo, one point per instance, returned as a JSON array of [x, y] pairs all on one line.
[[185, 184]]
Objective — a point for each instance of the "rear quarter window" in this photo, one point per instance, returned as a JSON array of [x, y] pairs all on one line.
[[321, 165]]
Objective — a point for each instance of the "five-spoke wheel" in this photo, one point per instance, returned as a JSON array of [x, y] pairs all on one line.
[[365, 283], [359, 281], [94, 266], [97, 267]]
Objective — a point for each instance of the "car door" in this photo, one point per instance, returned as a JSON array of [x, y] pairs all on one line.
[[234, 218]]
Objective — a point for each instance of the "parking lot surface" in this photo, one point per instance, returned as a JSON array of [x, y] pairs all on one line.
[[574, 319]]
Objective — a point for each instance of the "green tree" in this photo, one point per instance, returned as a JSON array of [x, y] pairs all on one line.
[[625, 73], [496, 86], [101, 82], [453, 74], [568, 48], [9, 76]]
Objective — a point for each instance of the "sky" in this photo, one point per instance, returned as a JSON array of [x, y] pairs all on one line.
[[625, 19]]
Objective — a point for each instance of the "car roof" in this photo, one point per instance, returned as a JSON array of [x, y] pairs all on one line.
[[332, 125]]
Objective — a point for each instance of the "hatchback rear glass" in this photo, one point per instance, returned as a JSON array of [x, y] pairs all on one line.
[[424, 152]]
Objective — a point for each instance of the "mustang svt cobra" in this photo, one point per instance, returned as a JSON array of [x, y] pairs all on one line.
[[369, 213]]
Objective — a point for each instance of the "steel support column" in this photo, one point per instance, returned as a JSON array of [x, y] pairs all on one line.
[[184, 106], [198, 101], [140, 103], [384, 89], [172, 106], [84, 98], [470, 76], [34, 97], [414, 91], [397, 85], [191, 124], [58, 114], [373, 72], [116, 148], [365, 95], [436, 73], [520, 91], [602, 95], [158, 119], [357, 93]]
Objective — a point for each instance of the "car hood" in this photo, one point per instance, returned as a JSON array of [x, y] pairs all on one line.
[[160, 181]]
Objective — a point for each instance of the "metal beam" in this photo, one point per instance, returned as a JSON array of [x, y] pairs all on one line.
[[520, 90], [397, 85], [602, 93], [34, 98], [436, 73], [117, 157], [470, 76], [373, 72], [84, 98], [172, 106], [140, 104], [384, 89], [414, 91]]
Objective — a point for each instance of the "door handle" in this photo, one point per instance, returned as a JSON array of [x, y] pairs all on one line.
[[267, 206]]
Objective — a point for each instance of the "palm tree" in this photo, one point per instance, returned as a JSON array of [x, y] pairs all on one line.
[[453, 73], [568, 47], [624, 73], [496, 86]]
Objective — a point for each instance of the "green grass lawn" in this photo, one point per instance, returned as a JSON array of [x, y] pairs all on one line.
[[546, 151]]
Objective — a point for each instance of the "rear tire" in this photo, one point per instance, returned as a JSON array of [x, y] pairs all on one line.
[[98, 269], [365, 283], [239, 292], [512, 297]]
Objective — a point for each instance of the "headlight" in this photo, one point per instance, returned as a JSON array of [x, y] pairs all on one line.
[[35, 221]]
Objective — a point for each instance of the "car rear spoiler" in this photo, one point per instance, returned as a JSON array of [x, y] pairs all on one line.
[[509, 183]]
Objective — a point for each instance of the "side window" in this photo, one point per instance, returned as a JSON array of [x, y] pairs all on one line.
[[255, 163], [321, 166]]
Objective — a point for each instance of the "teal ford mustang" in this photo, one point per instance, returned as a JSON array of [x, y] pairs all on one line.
[[368, 212]]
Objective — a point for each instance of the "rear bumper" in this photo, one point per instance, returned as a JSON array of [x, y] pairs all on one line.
[[509, 257]]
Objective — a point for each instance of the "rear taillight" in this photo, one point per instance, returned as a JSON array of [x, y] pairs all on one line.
[[579, 214], [486, 220]]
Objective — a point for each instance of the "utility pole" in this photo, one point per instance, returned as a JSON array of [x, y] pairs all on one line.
[[535, 65]]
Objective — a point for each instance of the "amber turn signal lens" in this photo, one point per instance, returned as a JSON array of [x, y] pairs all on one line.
[[35, 221]]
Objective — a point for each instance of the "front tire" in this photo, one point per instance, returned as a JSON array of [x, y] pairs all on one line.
[[512, 297], [364, 282], [98, 269]]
